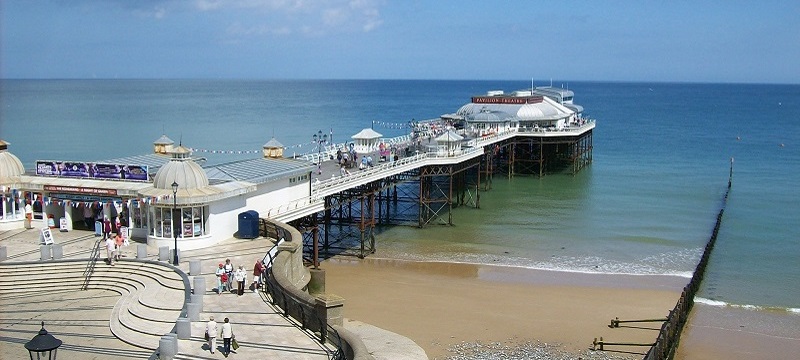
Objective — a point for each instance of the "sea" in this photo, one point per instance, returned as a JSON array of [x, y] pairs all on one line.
[[663, 154]]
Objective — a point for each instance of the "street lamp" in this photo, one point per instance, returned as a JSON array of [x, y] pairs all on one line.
[[174, 216], [320, 139], [43, 346]]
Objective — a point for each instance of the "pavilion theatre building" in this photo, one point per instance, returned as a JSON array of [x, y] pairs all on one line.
[[143, 191]]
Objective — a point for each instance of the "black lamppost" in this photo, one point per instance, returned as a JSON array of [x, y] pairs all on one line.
[[43, 346], [320, 139], [175, 217]]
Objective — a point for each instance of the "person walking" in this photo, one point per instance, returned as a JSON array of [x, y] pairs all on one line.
[[241, 278], [227, 334], [110, 246], [222, 279], [211, 334], [259, 270], [229, 273], [106, 228], [118, 242]]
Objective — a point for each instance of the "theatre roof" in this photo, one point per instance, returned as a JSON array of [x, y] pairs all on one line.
[[259, 170], [547, 109]]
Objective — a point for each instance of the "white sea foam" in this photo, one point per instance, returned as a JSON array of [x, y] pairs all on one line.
[[580, 265], [718, 303]]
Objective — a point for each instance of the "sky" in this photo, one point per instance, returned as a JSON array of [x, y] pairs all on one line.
[[667, 41]]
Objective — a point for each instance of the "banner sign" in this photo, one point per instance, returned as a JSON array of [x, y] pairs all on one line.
[[514, 100], [80, 190], [91, 170]]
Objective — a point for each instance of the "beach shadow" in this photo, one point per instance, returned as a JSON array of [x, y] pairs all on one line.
[[635, 327]]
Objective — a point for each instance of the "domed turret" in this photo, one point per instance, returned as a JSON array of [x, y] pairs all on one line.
[[10, 166], [181, 169], [273, 149], [163, 145]]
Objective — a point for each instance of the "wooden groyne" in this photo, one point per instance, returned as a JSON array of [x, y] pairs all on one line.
[[669, 337]]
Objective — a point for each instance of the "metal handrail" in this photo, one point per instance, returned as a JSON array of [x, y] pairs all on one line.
[[304, 313]]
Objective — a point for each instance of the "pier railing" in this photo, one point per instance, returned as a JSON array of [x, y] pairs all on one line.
[[669, 336], [429, 155]]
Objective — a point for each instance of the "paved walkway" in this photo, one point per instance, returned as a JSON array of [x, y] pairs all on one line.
[[81, 320]]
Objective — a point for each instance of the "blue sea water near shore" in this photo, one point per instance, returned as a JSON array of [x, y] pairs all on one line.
[[646, 205]]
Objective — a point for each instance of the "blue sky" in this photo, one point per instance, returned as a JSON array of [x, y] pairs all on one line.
[[683, 41]]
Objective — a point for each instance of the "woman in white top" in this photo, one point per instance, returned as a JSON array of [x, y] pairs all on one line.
[[111, 245], [211, 333], [227, 334], [241, 278], [221, 285], [229, 272]]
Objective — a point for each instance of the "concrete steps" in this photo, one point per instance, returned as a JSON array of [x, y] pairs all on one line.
[[151, 298]]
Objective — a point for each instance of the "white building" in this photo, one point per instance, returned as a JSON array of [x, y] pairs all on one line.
[[144, 190]]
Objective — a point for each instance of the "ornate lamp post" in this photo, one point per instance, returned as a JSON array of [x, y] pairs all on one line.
[[43, 346], [174, 216], [320, 139]]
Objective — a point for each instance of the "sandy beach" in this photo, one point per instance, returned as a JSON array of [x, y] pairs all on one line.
[[439, 305]]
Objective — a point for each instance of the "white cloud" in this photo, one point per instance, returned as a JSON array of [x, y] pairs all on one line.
[[239, 30], [311, 18]]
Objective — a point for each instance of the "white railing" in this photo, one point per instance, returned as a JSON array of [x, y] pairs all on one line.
[[436, 155]]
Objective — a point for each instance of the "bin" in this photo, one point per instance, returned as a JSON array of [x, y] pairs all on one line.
[[248, 225], [98, 228]]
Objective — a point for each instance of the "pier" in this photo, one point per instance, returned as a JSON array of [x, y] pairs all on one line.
[[424, 187]]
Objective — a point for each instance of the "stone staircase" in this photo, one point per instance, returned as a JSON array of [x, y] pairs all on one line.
[[152, 294]]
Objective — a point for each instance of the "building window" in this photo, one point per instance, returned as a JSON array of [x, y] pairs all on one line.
[[191, 222], [138, 215]]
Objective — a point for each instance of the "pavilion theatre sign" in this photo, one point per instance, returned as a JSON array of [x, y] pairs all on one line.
[[513, 100]]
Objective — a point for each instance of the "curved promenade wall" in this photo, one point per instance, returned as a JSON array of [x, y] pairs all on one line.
[[315, 312]]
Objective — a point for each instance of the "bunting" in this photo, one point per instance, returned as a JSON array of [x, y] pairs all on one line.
[[390, 125], [240, 152]]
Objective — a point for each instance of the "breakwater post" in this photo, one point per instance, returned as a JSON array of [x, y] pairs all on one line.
[[669, 336]]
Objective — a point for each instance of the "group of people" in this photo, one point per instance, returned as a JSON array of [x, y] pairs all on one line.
[[114, 245], [226, 275], [226, 332], [107, 215]]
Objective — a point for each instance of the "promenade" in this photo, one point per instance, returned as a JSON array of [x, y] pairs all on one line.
[[81, 319]]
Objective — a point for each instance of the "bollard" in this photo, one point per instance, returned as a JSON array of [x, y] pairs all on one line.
[[58, 251], [196, 299], [194, 267], [3, 253], [193, 309], [141, 251], [173, 337], [166, 348], [199, 283], [172, 255], [163, 253], [184, 327], [44, 252]]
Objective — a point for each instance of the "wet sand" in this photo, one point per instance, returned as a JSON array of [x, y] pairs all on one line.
[[722, 333], [443, 304]]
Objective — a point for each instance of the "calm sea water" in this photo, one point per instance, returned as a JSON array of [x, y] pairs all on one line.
[[646, 205]]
